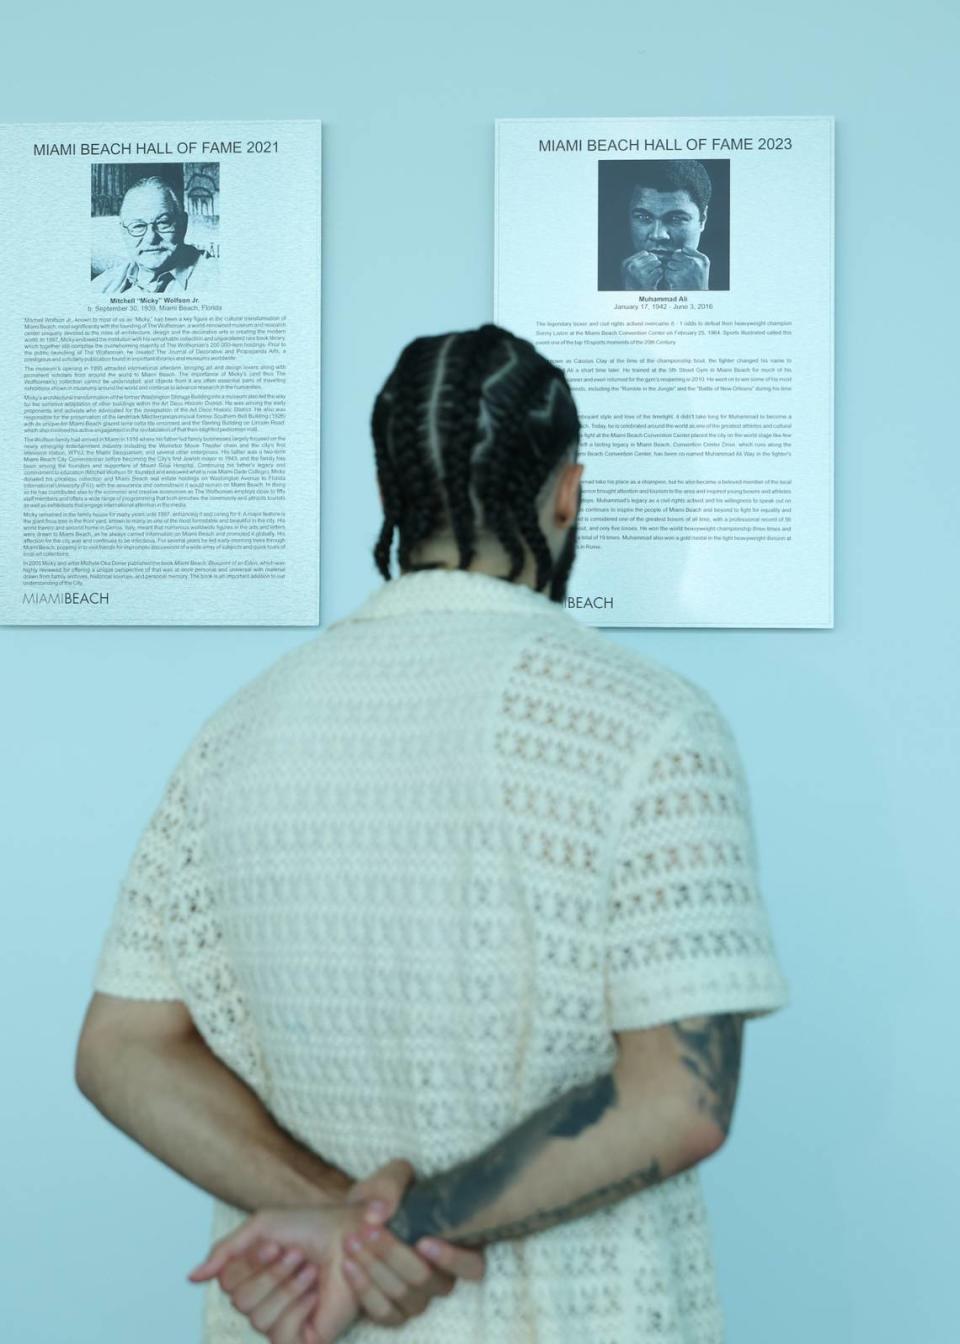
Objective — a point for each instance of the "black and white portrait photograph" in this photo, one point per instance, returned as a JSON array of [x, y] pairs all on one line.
[[155, 227], [663, 224]]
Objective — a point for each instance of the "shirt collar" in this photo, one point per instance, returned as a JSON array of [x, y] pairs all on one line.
[[455, 590]]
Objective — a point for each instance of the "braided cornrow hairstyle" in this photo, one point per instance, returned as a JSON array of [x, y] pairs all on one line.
[[467, 429]]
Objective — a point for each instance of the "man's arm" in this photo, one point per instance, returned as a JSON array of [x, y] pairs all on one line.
[[145, 1066], [666, 1104]]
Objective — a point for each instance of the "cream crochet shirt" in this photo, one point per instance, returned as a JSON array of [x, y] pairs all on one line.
[[410, 878]]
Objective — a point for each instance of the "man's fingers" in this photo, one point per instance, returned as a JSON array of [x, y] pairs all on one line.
[[396, 1274], [386, 1187], [242, 1266], [459, 1261], [409, 1261], [642, 270], [265, 1316], [387, 1274], [293, 1327], [248, 1290], [683, 257], [224, 1249], [374, 1301], [273, 1290]]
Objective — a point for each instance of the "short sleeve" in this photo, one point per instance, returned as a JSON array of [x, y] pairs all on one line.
[[687, 929], [135, 960]]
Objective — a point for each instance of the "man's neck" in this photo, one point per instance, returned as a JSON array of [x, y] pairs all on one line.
[[489, 558]]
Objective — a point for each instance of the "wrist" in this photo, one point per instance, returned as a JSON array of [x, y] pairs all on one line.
[[310, 1182]]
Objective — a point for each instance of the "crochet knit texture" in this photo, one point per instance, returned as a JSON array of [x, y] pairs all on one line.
[[410, 879]]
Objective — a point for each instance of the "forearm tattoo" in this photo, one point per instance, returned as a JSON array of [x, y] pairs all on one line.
[[711, 1051], [441, 1203]]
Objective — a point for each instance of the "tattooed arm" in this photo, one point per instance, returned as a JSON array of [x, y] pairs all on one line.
[[666, 1104]]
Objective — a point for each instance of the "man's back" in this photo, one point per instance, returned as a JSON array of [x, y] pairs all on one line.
[[411, 879]]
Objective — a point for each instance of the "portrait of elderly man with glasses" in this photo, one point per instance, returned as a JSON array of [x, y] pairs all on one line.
[[154, 225]]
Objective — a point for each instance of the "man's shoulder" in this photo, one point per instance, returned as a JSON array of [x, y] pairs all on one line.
[[110, 278], [626, 670], [585, 671], [204, 266]]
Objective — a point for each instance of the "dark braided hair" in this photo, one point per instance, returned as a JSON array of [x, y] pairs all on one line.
[[467, 429]]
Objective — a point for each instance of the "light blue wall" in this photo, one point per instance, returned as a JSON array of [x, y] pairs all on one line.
[[833, 1202]]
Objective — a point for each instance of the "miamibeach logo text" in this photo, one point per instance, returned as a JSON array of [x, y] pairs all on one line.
[[66, 599]]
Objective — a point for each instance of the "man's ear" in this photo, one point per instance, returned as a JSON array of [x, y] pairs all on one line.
[[568, 496]]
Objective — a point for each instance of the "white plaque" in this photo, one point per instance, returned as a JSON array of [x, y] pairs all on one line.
[[680, 271], [160, 340]]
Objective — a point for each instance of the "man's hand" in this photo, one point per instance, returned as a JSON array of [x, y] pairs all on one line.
[[284, 1295], [686, 269], [271, 1297], [641, 271], [392, 1282], [388, 1274]]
